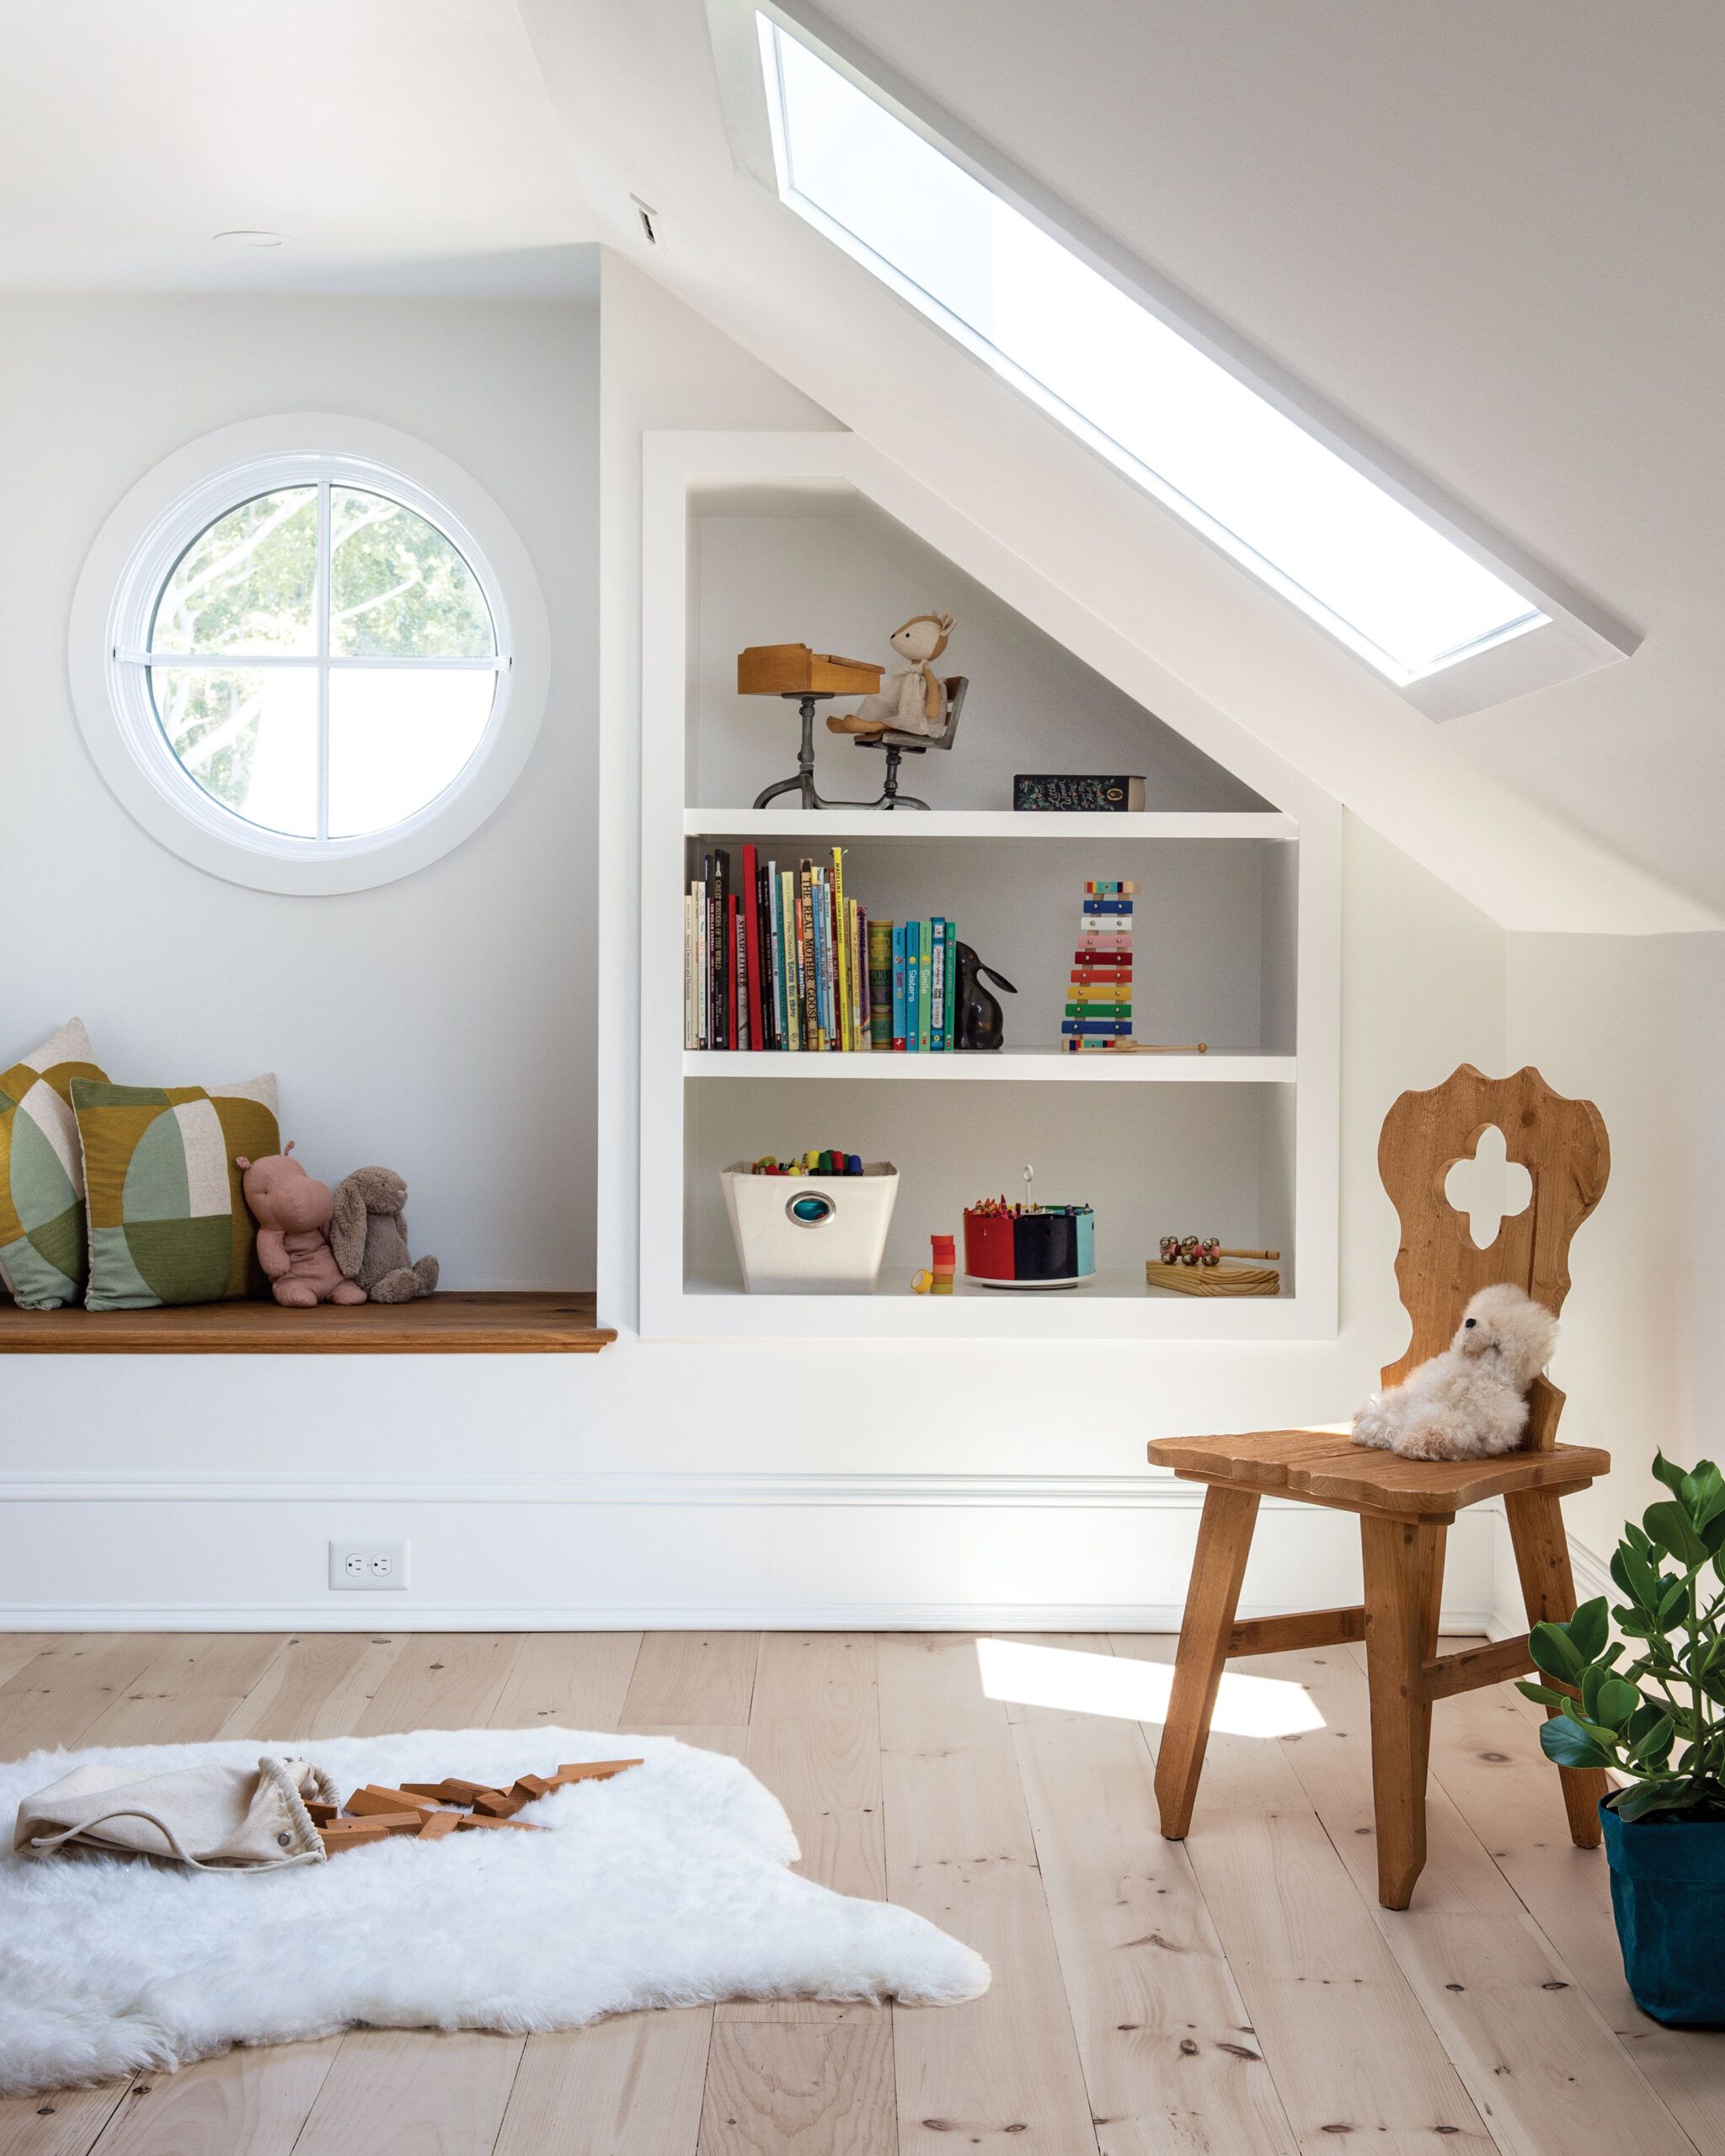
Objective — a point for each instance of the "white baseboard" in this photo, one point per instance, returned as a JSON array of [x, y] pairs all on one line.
[[685, 1552]]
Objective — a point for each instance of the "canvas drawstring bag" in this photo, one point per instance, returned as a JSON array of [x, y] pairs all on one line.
[[212, 1818]]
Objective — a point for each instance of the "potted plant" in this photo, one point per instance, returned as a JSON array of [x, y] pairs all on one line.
[[1652, 1705]]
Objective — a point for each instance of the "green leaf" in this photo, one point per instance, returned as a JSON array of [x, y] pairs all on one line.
[[1652, 1747], [1669, 1525], [1635, 1577], [1589, 1629], [1570, 1745], [1615, 1702], [1549, 1646], [1674, 1596], [1542, 1693], [1636, 1539], [1667, 1472], [1633, 1804]]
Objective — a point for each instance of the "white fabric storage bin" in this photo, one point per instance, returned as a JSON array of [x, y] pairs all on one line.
[[810, 1235]]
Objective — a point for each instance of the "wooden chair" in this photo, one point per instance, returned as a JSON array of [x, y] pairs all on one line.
[[1406, 1506]]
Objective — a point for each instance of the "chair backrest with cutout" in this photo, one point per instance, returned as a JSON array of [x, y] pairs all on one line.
[[1562, 1145]]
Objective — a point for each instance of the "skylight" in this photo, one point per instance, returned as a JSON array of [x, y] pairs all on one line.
[[1343, 549]]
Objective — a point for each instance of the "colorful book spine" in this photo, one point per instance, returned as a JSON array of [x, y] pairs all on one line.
[[937, 990], [841, 960], [925, 964], [952, 1010], [775, 956], [913, 986], [901, 932], [751, 944], [805, 947]]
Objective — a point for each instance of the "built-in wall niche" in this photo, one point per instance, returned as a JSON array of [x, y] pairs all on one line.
[[1214, 953], [750, 539], [1153, 1161], [833, 570]]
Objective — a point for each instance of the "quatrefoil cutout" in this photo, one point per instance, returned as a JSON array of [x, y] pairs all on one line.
[[1490, 1188]]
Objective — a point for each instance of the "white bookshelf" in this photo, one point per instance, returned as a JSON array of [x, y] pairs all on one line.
[[769, 538]]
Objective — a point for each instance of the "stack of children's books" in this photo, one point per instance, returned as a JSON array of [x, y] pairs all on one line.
[[781, 959], [1099, 994]]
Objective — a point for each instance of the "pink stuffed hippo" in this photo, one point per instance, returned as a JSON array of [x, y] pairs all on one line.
[[292, 1212]]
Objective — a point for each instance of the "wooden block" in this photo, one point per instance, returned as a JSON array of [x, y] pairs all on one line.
[[438, 1825], [496, 1805], [343, 1837], [320, 1815], [376, 1797], [479, 1819], [454, 1790], [528, 1786], [592, 1770], [443, 1792]]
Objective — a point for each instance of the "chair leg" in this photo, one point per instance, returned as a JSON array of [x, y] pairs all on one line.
[[1395, 1650], [1432, 1545], [1548, 1590], [1218, 1566]]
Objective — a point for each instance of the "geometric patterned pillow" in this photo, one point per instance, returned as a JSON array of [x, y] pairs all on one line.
[[169, 1222], [43, 1258]]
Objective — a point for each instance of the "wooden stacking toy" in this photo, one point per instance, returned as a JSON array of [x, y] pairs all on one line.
[[427, 1812]]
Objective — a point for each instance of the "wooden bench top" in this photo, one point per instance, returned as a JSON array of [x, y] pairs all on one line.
[[536, 1323]]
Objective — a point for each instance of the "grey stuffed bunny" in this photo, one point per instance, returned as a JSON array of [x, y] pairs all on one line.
[[369, 1237]]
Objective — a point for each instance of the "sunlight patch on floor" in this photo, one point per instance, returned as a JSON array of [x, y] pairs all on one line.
[[1082, 1684]]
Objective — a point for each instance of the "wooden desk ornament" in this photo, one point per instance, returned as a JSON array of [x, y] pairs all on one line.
[[1192, 1265]]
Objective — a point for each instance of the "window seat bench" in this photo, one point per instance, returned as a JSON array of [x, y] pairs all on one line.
[[541, 1322]]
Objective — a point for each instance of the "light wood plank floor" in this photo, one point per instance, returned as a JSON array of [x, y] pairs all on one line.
[[1241, 1995]]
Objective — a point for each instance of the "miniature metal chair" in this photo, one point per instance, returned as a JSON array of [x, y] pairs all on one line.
[[1406, 1506], [898, 746]]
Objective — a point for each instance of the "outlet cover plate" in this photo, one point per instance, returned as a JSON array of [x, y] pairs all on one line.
[[368, 1567]]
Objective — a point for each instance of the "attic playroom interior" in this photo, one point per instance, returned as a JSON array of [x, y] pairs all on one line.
[[860, 1052]]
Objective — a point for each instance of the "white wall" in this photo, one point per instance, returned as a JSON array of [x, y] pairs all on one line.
[[439, 1024], [697, 1483], [1636, 1023]]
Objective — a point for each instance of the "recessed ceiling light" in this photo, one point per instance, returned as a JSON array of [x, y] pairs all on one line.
[[250, 239]]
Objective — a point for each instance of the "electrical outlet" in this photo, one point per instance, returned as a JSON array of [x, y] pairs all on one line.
[[368, 1567]]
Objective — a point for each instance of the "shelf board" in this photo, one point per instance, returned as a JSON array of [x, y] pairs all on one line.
[[806, 829], [1116, 1306], [1006, 1065], [479, 1324]]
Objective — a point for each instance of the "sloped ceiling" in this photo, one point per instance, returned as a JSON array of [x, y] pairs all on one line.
[[1490, 234]]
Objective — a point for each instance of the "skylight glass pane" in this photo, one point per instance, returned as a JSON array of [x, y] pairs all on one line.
[[1351, 556]]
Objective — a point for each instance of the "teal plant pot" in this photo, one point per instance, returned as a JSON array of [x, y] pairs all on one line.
[[1668, 1895]]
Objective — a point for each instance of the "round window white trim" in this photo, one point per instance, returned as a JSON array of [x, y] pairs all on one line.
[[134, 555]]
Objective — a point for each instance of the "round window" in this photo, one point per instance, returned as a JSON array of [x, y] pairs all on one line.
[[314, 655]]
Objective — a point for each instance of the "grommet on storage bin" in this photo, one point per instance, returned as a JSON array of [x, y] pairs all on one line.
[[811, 1210]]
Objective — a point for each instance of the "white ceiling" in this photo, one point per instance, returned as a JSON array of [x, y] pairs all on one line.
[[1491, 234], [400, 146]]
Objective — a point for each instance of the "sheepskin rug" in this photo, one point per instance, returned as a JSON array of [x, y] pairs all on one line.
[[668, 1886]]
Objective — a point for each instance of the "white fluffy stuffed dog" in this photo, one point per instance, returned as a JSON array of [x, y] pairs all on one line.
[[1471, 1401]]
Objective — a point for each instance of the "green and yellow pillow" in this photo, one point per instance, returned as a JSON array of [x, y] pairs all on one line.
[[43, 1258], [167, 1217]]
